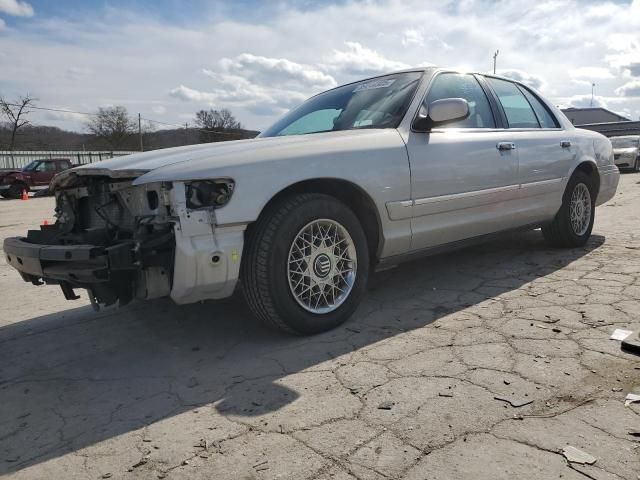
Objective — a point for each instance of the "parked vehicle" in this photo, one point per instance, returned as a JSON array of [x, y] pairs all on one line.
[[35, 176], [363, 176], [626, 151]]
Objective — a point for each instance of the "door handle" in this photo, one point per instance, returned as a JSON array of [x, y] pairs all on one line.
[[506, 146], [565, 144]]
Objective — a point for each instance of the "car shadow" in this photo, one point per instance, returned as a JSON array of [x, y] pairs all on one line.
[[75, 378]]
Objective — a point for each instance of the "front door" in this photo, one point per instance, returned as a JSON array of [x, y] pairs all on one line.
[[463, 175], [43, 174]]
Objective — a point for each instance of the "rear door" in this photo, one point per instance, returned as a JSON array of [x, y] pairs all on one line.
[[463, 175], [544, 149]]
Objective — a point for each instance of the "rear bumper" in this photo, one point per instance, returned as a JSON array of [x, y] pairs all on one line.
[[609, 178]]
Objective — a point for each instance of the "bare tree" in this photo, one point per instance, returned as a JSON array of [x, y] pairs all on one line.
[[216, 120], [15, 113], [113, 125]]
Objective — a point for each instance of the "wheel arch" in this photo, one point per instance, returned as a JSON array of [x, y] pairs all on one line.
[[590, 168], [351, 194]]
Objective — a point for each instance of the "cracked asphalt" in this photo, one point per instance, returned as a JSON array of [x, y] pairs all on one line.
[[479, 364]]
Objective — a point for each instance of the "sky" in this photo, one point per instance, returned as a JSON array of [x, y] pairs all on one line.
[[166, 59]]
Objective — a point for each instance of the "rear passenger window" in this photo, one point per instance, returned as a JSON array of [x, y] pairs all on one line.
[[516, 107], [456, 85], [546, 119]]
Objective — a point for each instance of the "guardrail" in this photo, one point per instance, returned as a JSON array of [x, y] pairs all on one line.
[[20, 158]]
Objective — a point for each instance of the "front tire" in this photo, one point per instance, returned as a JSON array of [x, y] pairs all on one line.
[[636, 165], [306, 264], [573, 223], [15, 191]]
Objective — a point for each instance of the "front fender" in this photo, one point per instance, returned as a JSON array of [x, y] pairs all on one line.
[[375, 161]]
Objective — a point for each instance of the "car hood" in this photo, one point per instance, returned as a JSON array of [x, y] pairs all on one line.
[[627, 150], [198, 161]]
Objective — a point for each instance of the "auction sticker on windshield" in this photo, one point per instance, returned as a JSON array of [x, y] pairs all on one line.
[[374, 84]]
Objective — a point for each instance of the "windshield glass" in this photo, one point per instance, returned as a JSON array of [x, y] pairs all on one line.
[[31, 166], [624, 142], [375, 103]]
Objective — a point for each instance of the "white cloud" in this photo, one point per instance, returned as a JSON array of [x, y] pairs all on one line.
[[582, 101], [261, 64], [79, 73], [191, 95], [259, 69], [159, 109], [16, 8], [412, 37], [629, 89], [358, 60], [632, 69], [2, 24], [262, 85], [591, 73], [532, 80]]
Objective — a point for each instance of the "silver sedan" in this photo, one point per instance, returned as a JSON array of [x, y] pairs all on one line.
[[626, 151], [364, 176]]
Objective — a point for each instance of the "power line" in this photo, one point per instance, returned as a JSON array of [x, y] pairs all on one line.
[[61, 110], [183, 126], [53, 109]]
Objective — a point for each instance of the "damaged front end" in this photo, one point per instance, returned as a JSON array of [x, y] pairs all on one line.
[[121, 241]]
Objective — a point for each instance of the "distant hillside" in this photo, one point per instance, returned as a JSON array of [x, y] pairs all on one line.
[[54, 138]]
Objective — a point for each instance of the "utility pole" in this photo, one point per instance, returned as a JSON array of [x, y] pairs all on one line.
[[140, 132], [495, 57], [592, 87]]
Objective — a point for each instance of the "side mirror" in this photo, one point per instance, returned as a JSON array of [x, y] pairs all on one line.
[[440, 112]]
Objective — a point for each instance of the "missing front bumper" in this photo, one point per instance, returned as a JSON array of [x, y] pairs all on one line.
[[109, 273]]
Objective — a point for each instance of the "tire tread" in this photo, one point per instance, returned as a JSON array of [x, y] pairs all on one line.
[[255, 278]]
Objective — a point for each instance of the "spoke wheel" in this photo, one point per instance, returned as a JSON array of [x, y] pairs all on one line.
[[573, 223], [322, 266], [580, 209], [305, 263]]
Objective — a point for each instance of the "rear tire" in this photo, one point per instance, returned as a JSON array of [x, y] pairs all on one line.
[[636, 166], [306, 264], [573, 223]]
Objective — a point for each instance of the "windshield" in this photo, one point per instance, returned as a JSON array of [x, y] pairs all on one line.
[[624, 142], [375, 103], [31, 166]]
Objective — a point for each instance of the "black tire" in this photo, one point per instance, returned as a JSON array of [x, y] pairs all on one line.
[[264, 275], [15, 190], [560, 232], [636, 166]]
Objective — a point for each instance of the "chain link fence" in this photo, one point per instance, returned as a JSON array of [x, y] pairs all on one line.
[[20, 158]]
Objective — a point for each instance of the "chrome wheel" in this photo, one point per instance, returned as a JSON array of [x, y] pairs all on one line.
[[580, 209], [322, 266]]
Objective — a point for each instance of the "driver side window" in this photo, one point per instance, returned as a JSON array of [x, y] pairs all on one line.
[[45, 167], [457, 85]]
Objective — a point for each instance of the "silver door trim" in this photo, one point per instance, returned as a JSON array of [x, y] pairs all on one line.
[[456, 196], [541, 183], [419, 207], [400, 210]]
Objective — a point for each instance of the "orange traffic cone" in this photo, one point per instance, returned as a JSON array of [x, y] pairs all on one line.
[[25, 195]]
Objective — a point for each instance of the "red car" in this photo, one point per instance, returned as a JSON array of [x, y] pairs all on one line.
[[35, 176]]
